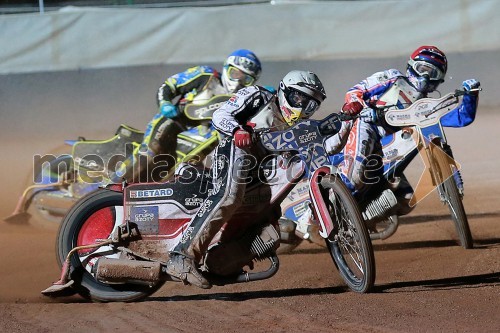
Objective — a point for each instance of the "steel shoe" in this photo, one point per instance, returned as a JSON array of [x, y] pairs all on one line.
[[184, 268]]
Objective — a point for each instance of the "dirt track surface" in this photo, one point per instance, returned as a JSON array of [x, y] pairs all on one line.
[[425, 281]]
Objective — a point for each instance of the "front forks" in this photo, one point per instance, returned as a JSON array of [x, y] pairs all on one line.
[[439, 176]]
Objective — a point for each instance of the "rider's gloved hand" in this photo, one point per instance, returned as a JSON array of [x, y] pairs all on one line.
[[242, 138], [168, 110], [352, 108], [471, 84], [369, 115]]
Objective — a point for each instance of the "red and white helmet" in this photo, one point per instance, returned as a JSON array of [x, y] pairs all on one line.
[[427, 68]]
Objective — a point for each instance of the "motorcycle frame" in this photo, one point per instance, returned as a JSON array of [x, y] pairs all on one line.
[[423, 119], [427, 133], [313, 156]]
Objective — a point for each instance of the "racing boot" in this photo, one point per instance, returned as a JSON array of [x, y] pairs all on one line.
[[184, 268], [379, 207]]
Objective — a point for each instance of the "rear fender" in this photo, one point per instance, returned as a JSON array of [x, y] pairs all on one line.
[[114, 187]]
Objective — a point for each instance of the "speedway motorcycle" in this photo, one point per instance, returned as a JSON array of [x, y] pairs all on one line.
[[57, 182], [114, 244], [422, 135]]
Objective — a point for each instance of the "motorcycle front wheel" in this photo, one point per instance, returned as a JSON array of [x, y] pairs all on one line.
[[91, 219], [349, 243], [453, 199]]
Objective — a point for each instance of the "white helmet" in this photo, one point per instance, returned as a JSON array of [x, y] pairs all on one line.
[[241, 69], [300, 94]]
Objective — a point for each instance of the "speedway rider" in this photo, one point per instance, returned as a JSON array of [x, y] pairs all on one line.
[[299, 95], [242, 68], [426, 69]]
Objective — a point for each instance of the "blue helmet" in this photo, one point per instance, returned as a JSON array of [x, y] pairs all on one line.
[[241, 69]]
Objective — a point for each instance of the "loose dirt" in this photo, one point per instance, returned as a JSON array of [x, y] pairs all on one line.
[[425, 281]]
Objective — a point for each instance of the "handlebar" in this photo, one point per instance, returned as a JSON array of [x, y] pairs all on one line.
[[345, 117], [461, 92], [331, 124], [382, 110]]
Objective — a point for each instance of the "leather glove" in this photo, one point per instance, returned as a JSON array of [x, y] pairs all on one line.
[[242, 138], [471, 84], [352, 108], [168, 110], [369, 115]]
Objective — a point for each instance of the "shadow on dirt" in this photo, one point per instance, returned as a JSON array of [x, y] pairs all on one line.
[[319, 249], [261, 294], [478, 244], [232, 297], [486, 243], [459, 282], [431, 218]]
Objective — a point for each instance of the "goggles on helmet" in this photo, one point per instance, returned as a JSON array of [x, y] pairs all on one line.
[[247, 64], [425, 68], [236, 74], [297, 99]]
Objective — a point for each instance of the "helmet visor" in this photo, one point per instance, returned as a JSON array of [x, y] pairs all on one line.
[[310, 108], [425, 68], [243, 78], [298, 99]]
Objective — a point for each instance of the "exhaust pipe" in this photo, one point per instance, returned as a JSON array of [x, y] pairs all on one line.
[[119, 271]]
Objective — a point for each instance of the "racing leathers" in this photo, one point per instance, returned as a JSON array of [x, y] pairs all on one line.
[[362, 137], [251, 107], [157, 152]]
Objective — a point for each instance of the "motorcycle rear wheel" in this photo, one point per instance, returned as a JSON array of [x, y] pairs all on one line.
[[454, 201], [70, 230], [49, 216], [349, 243]]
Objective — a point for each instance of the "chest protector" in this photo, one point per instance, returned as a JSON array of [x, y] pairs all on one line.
[[268, 117], [400, 95]]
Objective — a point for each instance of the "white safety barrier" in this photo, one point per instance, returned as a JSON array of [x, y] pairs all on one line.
[[86, 38]]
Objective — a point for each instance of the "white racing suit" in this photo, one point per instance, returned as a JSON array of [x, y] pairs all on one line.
[[362, 137], [231, 165]]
